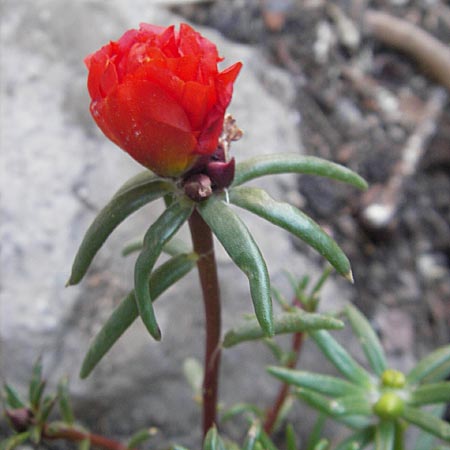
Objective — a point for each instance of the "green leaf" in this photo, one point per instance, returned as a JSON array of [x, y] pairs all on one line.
[[140, 437], [85, 444], [293, 163], [358, 440], [265, 441], [367, 338], [316, 432], [193, 372], [159, 233], [12, 398], [426, 440], [242, 408], [46, 408], [124, 315], [323, 444], [252, 436], [14, 441], [292, 322], [349, 405], [291, 438], [125, 202], [243, 250], [174, 247], [293, 220], [64, 402], [427, 422], [341, 359], [37, 384], [178, 447], [385, 436], [434, 367], [139, 180], [430, 393], [213, 441], [324, 384]]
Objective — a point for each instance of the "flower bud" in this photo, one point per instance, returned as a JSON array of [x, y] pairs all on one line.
[[393, 378], [389, 406], [158, 94]]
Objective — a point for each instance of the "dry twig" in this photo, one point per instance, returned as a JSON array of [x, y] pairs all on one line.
[[429, 52], [383, 201]]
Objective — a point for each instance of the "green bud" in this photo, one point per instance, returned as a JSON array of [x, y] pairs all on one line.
[[389, 406], [393, 379]]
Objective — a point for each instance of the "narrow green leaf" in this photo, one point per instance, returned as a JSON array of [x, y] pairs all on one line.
[[14, 441], [139, 180], [265, 441], [46, 408], [358, 440], [316, 432], [427, 422], [292, 322], [385, 436], [242, 408], [430, 393], [426, 440], [433, 367], [12, 398], [178, 447], [293, 220], [85, 444], [193, 372], [324, 384], [323, 444], [213, 441], [174, 247], [291, 438], [252, 436], [243, 250], [368, 339], [279, 354], [341, 359], [37, 384], [124, 203], [351, 405], [140, 437], [35, 434], [159, 233], [64, 402], [124, 315], [292, 163]]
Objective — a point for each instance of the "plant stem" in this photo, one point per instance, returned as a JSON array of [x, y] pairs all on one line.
[[74, 435], [203, 243], [272, 413]]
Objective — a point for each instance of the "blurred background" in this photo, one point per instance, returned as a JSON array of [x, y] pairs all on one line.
[[363, 83]]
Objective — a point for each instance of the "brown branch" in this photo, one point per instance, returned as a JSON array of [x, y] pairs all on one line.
[[429, 52], [74, 435], [203, 243]]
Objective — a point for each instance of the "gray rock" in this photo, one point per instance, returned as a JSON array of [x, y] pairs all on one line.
[[57, 172]]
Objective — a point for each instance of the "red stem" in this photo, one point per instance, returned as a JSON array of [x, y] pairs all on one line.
[[272, 413], [71, 434], [202, 239]]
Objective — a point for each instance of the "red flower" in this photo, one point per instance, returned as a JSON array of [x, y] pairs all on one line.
[[159, 96]]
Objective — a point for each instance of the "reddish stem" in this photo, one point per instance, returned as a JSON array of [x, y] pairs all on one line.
[[272, 413], [74, 435], [202, 239]]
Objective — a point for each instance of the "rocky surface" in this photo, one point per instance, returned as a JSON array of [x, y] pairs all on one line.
[[57, 170]]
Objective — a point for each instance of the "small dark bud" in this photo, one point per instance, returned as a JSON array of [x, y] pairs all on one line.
[[20, 418], [198, 187], [221, 173]]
